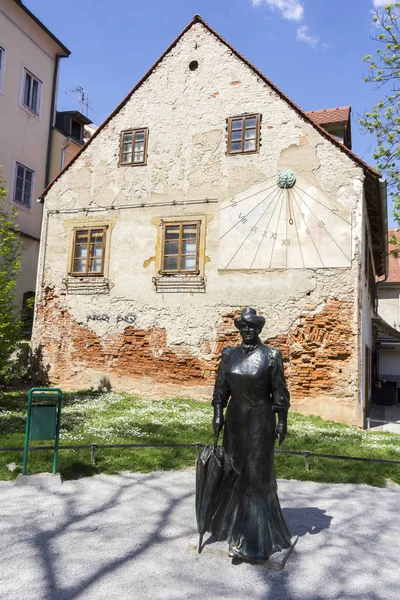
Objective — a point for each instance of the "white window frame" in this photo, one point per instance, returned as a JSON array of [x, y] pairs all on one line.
[[15, 202], [2, 68], [27, 71]]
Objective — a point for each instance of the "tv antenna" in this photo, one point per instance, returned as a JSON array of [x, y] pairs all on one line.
[[83, 99]]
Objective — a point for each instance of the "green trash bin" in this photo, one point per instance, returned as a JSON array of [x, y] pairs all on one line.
[[43, 420]]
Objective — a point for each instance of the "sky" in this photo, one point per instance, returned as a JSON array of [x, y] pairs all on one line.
[[311, 49]]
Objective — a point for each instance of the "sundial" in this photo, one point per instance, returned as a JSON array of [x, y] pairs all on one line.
[[285, 222]]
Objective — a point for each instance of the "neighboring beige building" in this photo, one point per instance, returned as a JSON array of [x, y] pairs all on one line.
[[205, 191], [388, 337], [29, 63]]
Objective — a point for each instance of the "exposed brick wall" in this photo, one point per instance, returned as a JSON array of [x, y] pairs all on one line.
[[316, 351], [70, 348]]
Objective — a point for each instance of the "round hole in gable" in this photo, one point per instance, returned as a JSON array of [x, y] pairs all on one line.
[[193, 65]]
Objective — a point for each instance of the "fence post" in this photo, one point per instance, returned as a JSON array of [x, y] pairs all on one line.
[[368, 423], [306, 457], [197, 450], [93, 454]]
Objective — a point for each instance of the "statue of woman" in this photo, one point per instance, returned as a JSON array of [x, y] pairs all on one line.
[[251, 377]]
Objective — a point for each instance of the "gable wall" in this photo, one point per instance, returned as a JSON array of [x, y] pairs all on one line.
[[312, 314]]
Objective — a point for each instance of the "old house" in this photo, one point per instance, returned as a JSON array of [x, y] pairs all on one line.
[[207, 190]]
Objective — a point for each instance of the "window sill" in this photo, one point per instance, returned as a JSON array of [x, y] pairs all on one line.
[[189, 284], [30, 112], [21, 205], [86, 285]]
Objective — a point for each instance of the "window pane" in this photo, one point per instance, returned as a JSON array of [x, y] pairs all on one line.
[[139, 146], [126, 158], [188, 263], [27, 193], [171, 247], [18, 194], [28, 175], [81, 251], [250, 122], [35, 96], [189, 231], [96, 235], [27, 90], [170, 263], [81, 236], [95, 265], [128, 138], [250, 145], [138, 157], [127, 148], [172, 233], [250, 134], [20, 171], [139, 136], [96, 251], [19, 185], [237, 135], [79, 266], [189, 247], [236, 146], [237, 124]]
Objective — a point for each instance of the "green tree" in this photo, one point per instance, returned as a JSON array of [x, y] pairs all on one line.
[[10, 264], [383, 121]]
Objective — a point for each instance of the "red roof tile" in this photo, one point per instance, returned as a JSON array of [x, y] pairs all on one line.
[[340, 114]]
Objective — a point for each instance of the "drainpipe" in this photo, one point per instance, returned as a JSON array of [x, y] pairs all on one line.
[[63, 151], [52, 111], [383, 197]]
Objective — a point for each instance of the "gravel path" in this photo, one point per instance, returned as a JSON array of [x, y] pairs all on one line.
[[133, 536]]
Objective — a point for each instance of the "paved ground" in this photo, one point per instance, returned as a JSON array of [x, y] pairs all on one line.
[[133, 536], [385, 413]]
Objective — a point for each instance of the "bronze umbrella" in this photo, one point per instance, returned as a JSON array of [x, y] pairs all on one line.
[[215, 475]]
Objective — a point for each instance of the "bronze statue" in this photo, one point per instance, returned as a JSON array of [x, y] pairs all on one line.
[[251, 377]]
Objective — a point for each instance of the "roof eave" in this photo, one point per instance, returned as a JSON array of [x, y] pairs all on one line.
[[45, 29]]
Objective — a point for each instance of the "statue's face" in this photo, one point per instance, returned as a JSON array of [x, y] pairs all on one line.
[[250, 333]]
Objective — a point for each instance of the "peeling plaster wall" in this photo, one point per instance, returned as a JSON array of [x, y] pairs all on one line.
[[186, 115]]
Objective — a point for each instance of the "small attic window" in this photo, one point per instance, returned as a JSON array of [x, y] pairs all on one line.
[[133, 149], [244, 134], [193, 65]]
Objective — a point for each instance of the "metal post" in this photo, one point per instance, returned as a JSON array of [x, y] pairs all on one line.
[[197, 450], [27, 429], [56, 442], [93, 454], [368, 423], [306, 457]]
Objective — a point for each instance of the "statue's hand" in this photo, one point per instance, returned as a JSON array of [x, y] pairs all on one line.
[[281, 430], [218, 420]]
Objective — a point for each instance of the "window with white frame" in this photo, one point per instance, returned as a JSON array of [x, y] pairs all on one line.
[[2, 67], [23, 184], [31, 92]]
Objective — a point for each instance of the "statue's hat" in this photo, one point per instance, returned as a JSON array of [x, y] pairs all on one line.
[[250, 316]]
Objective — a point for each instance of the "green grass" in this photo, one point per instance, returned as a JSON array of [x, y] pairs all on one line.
[[116, 417]]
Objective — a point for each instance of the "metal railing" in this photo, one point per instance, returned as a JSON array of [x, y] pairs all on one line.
[[94, 446]]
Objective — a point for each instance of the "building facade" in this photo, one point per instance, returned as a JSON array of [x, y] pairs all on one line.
[[29, 63], [208, 190]]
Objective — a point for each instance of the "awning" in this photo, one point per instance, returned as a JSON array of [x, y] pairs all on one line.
[[385, 333]]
